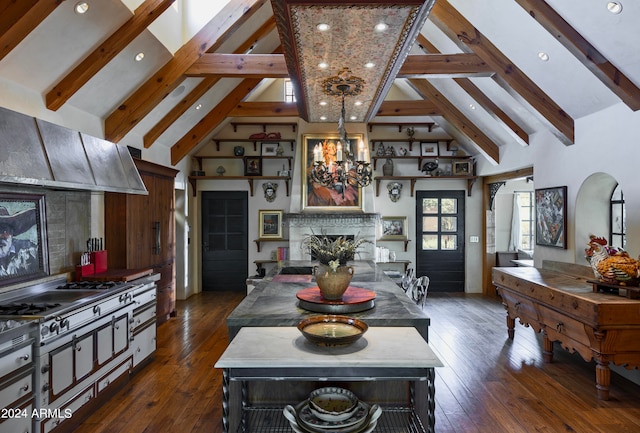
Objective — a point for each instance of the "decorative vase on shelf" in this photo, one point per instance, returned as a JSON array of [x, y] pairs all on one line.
[[387, 168], [333, 283]]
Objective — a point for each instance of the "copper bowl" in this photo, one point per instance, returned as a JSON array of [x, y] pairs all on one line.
[[332, 330]]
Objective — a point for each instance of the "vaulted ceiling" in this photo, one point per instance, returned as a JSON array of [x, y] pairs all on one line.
[[476, 69]]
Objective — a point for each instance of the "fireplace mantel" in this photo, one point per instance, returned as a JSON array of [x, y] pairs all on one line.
[[361, 225]]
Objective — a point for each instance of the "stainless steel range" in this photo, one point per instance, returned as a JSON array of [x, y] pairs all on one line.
[[81, 334]]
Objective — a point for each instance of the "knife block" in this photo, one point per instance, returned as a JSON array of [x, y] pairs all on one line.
[[99, 260], [84, 270]]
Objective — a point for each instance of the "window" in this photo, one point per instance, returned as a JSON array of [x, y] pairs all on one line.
[[527, 221], [288, 91], [618, 219]]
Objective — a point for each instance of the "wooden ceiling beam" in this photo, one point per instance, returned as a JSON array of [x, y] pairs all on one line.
[[155, 89], [265, 109], [517, 133], [444, 65], [457, 119], [586, 53], [19, 18], [512, 79], [144, 15], [408, 108], [211, 120], [202, 87], [239, 65], [482, 99]]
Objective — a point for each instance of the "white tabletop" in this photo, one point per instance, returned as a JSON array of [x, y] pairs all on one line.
[[278, 347]]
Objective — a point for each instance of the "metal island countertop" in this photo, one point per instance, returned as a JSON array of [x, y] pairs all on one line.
[[274, 303]]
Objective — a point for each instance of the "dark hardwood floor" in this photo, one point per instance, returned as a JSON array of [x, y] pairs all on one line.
[[488, 384]]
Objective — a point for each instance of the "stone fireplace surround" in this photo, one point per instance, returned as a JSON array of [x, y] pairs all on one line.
[[359, 225]]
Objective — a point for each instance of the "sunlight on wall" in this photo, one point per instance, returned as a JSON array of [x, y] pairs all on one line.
[[197, 13], [181, 21]]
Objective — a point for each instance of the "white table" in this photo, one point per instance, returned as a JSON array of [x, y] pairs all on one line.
[[283, 354]]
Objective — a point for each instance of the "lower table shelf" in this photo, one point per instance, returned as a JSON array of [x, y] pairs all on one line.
[[271, 420]]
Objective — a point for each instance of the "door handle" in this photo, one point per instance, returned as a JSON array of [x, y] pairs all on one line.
[[156, 231]]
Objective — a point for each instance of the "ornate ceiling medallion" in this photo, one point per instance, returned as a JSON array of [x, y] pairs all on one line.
[[343, 84]]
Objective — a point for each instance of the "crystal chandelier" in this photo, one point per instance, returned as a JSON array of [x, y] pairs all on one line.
[[350, 168]]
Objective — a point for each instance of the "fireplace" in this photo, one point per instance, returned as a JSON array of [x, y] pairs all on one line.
[[333, 225]]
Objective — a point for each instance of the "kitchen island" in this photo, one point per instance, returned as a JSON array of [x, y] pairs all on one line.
[[273, 303]]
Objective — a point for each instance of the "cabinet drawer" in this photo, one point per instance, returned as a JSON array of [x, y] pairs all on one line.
[[113, 375], [143, 316], [69, 409], [16, 358], [22, 423], [563, 325], [14, 390], [145, 297], [519, 306]]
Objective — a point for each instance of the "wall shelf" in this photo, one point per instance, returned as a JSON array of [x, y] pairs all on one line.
[[260, 240], [200, 158], [406, 243], [420, 158], [413, 179], [407, 141], [193, 180], [429, 125], [264, 125], [255, 142]]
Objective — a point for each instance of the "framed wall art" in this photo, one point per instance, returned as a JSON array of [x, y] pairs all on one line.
[[394, 227], [269, 149], [321, 198], [462, 168], [428, 148], [270, 224], [252, 166], [551, 216], [23, 238]]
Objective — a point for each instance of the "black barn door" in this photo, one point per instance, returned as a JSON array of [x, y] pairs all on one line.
[[224, 241], [440, 239]]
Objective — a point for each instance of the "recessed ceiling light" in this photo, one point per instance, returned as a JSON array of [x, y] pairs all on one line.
[[358, 103], [81, 7], [381, 27], [323, 27], [323, 117], [473, 107], [614, 7], [199, 106], [139, 56], [323, 65], [543, 56], [352, 118], [369, 65], [323, 103]]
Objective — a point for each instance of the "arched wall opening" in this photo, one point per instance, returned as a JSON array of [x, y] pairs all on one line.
[[592, 211]]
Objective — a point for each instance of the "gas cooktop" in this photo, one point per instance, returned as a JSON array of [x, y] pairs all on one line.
[[26, 309], [91, 285]]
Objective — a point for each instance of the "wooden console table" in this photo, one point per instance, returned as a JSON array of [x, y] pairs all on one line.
[[599, 326], [283, 354]]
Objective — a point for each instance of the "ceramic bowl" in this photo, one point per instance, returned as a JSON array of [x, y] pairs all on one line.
[[332, 330], [332, 403]]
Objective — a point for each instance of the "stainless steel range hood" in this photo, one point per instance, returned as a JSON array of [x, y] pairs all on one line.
[[39, 153]]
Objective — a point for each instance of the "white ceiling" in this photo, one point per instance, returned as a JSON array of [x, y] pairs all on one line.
[[64, 38]]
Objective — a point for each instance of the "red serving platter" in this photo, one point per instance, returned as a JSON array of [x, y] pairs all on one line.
[[354, 299]]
